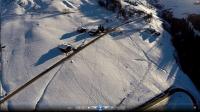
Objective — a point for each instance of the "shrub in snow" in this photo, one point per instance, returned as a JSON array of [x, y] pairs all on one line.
[[71, 61], [65, 11], [112, 5]]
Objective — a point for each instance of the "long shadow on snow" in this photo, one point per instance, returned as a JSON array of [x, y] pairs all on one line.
[[79, 36], [68, 35], [121, 34], [54, 14], [82, 37], [49, 55], [55, 51], [147, 36]]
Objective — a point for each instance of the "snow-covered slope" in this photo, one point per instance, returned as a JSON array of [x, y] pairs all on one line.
[[129, 64], [182, 8]]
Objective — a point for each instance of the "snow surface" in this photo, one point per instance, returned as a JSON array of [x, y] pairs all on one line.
[[129, 64], [181, 8]]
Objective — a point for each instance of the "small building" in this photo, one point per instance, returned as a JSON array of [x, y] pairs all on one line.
[[66, 48], [81, 29]]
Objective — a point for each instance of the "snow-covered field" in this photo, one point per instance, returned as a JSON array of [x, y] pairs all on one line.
[[130, 64]]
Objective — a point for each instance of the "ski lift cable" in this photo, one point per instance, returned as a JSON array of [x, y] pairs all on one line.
[[167, 93], [162, 96]]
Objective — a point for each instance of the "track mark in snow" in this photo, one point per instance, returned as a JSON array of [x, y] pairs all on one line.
[[98, 90], [138, 85], [139, 60], [92, 99], [147, 57], [145, 74], [121, 102], [154, 62], [45, 89], [93, 71], [149, 61]]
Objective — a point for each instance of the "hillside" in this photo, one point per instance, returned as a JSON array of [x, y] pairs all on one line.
[[128, 63], [184, 18]]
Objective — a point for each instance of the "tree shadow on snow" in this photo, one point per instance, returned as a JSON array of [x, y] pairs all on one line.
[[68, 35], [82, 37], [147, 36], [49, 55], [123, 33], [54, 14], [78, 37]]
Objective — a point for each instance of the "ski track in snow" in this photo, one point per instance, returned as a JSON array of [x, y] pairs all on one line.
[[43, 93]]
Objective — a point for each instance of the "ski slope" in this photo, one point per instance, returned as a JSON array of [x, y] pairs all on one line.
[[129, 63]]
